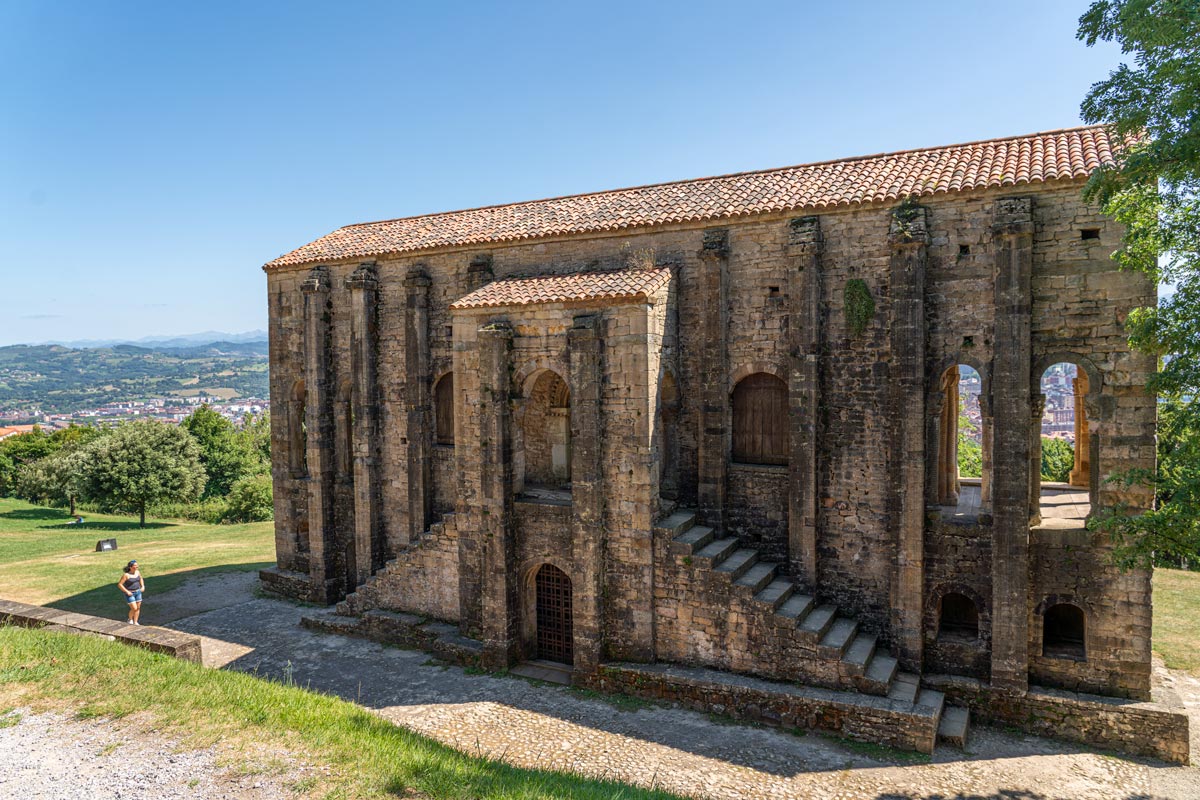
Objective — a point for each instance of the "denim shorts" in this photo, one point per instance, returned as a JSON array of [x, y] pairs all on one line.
[[134, 597]]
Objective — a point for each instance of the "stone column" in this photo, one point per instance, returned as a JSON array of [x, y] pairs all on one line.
[[1012, 231], [585, 352], [324, 557], [948, 486], [713, 438], [804, 330], [1080, 474], [417, 399], [364, 401], [909, 238], [1037, 410], [500, 590]]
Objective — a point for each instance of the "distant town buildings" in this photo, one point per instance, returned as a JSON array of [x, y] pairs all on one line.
[[167, 409]]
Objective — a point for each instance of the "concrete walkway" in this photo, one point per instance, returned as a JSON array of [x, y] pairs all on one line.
[[560, 728]]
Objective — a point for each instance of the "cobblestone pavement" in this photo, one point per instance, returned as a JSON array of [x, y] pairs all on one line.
[[684, 751]]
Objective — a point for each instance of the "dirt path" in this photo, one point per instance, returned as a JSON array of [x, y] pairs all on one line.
[[556, 727]]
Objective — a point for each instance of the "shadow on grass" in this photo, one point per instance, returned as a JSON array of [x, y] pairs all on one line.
[[108, 601], [62, 520]]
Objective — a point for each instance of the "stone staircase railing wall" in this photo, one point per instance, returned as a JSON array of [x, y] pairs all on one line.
[[718, 605], [421, 579]]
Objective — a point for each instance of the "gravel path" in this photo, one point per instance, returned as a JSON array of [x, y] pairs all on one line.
[[55, 757]]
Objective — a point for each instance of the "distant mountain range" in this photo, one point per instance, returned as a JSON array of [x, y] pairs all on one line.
[[56, 378], [161, 342]]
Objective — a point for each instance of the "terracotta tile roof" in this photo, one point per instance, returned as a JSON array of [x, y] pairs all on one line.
[[1014, 161], [581, 286]]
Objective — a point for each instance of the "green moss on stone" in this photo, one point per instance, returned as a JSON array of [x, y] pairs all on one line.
[[860, 306]]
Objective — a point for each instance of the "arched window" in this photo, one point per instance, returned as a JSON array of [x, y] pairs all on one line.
[[1063, 630], [443, 402], [760, 415], [962, 442], [297, 431], [547, 432], [1064, 497], [958, 617]]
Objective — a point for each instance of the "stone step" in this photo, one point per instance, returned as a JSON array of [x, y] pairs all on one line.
[[904, 688], [796, 607], [859, 653], [718, 551], [819, 619], [778, 592], [695, 538], [932, 700], [758, 576], [954, 726], [736, 565], [839, 636], [881, 673], [678, 522]]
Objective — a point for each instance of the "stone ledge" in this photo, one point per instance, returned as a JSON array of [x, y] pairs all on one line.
[[159, 640], [1128, 726], [294, 585], [862, 717], [405, 630]]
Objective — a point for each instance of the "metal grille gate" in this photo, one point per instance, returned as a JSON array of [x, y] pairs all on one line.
[[553, 614]]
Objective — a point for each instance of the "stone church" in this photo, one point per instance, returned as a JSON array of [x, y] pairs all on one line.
[[698, 441]]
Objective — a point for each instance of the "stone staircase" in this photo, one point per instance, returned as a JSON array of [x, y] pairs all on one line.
[[774, 630], [393, 579]]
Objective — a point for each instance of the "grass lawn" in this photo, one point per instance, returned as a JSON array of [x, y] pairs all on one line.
[[1177, 618], [367, 756], [45, 561]]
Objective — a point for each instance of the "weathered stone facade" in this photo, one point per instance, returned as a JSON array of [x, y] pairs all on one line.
[[595, 430]]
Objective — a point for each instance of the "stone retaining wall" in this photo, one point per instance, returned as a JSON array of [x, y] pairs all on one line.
[[158, 640]]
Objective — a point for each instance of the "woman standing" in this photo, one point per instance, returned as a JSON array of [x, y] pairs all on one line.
[[132, 585]]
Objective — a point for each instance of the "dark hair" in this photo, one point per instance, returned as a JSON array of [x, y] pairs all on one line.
[[130, 565]]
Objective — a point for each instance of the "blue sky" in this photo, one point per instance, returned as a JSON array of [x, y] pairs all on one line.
[[154, 154]]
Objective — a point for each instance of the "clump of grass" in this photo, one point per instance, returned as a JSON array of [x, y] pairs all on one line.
[[366, 755]]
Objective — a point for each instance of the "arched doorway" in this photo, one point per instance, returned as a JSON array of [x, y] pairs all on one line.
[[963, 480], [554, 620], [547, 432], [1062, 447]]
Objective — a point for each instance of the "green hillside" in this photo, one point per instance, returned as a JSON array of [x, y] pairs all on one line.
[[54, 379]]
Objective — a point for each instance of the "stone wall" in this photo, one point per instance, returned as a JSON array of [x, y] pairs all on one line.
[[422, 578], [757, 508], [958, 559], [1075, 567], [1146, 729]]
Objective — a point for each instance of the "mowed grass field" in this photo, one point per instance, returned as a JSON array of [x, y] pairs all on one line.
[[47, 562]]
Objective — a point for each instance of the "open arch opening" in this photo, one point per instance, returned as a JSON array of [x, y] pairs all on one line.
[[1064, 632], [546, 433], [554, 614], [963, 478], [760, 420], [297, 431], [443, 405], [1063, 447], [958, 617], [668, 436]]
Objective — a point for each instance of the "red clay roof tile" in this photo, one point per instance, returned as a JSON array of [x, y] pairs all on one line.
[[1036, 158], [632, 284]]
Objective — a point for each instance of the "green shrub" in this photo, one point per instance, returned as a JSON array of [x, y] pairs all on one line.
[[1058, 459], [250, 500]]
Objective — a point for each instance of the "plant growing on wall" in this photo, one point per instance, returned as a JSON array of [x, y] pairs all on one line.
[[860, 306]]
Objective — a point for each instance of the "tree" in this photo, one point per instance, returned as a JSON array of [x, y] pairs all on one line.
[[57, 479], [1152, 108], [1058, 459], [225, 456], [17, 451], [250, 500], [144, 462], [970, 452]]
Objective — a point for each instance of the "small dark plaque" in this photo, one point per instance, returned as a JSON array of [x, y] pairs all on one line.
[[105, 545]]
